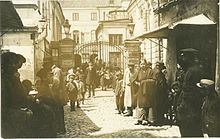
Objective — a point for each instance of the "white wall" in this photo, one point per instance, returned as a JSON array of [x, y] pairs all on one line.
[[20, 43]]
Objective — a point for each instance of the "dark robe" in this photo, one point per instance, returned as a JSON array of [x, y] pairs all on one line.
[[145, 90]]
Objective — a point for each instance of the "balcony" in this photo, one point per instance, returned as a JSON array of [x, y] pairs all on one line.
[[118, 14]]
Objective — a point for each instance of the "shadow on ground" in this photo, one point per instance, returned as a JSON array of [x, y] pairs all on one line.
[[77, 124]]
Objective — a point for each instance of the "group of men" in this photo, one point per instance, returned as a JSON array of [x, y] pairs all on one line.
[[197, 106], [145, 90]]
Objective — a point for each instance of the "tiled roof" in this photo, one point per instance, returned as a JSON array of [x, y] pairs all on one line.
[[9, 16], [87, 3]]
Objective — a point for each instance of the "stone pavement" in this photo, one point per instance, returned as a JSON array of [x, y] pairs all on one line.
[[97, 118]]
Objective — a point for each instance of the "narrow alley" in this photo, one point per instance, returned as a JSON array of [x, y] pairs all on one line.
[[98, 118]]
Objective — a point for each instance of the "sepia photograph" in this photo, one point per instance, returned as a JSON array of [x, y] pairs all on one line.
[[110, 68]]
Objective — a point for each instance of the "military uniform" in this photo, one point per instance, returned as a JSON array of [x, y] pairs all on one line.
[[190, 100]]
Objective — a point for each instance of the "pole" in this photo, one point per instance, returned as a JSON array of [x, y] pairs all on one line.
[[217, 82]]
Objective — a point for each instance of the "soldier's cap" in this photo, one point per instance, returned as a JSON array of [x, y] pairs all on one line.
[[205, 83]]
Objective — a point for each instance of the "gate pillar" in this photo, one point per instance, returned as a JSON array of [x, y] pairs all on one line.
[[133, 52], [66, 54]]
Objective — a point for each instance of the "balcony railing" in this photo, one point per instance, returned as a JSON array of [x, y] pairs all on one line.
[[118, 14]]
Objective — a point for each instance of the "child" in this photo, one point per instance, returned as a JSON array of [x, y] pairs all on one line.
[[173, 97], [119, 93], [72, 91], [82, 89], [79, 95]]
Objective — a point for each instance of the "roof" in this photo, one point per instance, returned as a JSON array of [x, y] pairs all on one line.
[[9, 16], [87, 3]]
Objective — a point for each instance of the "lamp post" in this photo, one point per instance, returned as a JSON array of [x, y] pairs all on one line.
[[66, 27]]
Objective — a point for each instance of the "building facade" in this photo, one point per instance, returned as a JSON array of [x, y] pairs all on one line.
[[84, 19], [42, 22], [172, 25]]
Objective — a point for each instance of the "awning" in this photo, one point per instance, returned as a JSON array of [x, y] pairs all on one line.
[[195, 20], [160, 32], [163, 31]]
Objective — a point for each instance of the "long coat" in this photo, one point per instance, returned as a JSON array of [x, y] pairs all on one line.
[[91, 76], [146, 88], [60, 95], [127, 86], [72, 90], [190, 100], [161, 93], [210, 115]]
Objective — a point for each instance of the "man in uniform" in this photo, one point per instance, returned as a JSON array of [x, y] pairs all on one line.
[[190, 100]]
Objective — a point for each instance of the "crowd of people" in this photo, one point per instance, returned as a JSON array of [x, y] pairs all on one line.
[[144, 90], [190, 102]]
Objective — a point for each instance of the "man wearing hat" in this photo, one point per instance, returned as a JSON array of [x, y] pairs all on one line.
[[190, 100], [210, 108]]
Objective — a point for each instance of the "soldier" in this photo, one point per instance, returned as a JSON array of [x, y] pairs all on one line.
[[190, 100], [210, 108]]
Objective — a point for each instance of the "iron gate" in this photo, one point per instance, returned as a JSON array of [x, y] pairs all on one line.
[[109, 54]]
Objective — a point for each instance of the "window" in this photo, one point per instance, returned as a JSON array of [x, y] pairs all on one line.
[[111, 1], [76, 36], [54, 52], [115, 39], [82, 37], [75, 16], [103, 15], [93, 35], [93, 16]]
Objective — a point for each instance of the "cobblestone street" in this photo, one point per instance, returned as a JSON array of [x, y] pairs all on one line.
[[98, 118]]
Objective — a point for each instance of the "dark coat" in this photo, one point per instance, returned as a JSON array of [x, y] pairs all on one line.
[[91, 76], [190, 100], [119, 89], [143, 96], [72, 90], [210, 116], [161, 92]]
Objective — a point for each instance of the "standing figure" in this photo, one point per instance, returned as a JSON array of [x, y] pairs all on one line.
[[119, 93], [146, 86], [161, 94], [190, 100], [72, 91], [59, 96], [90, 79], [210, 108], [15, 117], [127, 87], [102, 79], [82, 85]]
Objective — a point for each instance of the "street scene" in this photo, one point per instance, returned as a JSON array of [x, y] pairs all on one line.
[[102, 121], [110, 68]]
